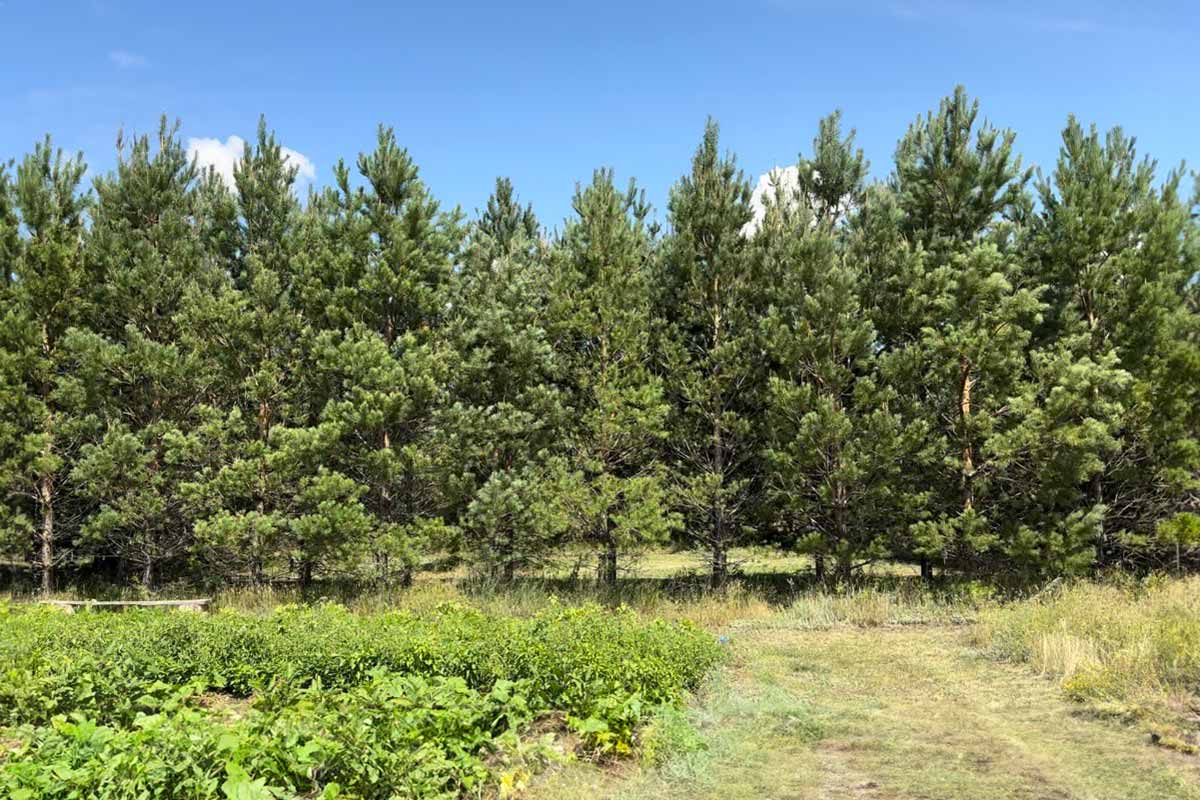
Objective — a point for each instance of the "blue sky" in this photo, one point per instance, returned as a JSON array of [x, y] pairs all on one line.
[[545, 92]]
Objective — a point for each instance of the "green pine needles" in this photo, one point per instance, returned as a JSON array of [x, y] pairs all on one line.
[[973, 365]]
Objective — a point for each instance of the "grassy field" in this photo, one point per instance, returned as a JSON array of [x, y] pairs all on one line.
[[892, 690], [873, 696]]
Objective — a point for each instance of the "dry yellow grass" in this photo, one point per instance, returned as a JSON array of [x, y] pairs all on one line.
[[1126, 648]]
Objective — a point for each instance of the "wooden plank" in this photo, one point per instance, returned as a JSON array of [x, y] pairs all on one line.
[[197, 604]]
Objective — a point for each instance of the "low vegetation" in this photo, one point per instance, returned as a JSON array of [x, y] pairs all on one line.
[[892, 689], [1127, 648], [893, 692], [397, 704]]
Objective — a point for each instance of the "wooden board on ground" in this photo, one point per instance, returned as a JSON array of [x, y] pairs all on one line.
[[70, 606]]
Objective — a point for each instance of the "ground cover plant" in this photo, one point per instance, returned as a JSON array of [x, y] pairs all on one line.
[[382, 705]]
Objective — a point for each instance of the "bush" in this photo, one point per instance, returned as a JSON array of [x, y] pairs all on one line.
[[103, 664]]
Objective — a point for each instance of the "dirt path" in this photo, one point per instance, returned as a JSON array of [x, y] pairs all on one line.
[[889, 714]]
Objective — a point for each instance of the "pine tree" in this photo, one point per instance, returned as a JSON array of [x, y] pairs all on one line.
[[1061, 428], [12, 535], [710, 351], [249, 500], [504, 426], [831, 183], [604, 264], [953, 178], [959, 353], [145, 259], [10, 228], [204, 381], [376, 270], [42, 401], [1113, 247], [505, 227], [834, 449]]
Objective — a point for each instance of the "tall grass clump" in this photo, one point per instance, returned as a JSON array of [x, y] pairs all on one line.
[[1126, 647], [881, 603], [675, 600]]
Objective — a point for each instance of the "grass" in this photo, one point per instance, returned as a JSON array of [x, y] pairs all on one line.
[[1125, 648], [877, 696], [662, 584], [659, 584], [674, 582]]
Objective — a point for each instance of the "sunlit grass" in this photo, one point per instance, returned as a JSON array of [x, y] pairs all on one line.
[[863, 705], [1130, 648]]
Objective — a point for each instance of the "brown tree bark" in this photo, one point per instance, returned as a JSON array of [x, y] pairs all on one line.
[[966, 383], [608, 563], [46, 534]]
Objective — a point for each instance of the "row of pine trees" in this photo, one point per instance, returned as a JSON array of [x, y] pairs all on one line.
[[968, 365]]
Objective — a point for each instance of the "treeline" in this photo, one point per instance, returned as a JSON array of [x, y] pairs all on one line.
[[969, 364]]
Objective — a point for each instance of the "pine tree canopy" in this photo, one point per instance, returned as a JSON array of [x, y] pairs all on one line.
[[973, 365]]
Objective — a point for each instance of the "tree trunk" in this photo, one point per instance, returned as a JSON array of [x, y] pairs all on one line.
[[926, 569], [720, 565], [509, 571], [608, 564], [841, 516], [1096, 493], [966, 382], [382, 567], [608, 556], [306, 574], [148, 574], [819, 567], [1096, 489], [385, 503], [45, 488], [46, 535], [717, 512], [256, 544]]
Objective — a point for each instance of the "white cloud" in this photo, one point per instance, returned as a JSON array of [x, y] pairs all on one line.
[[124, 59], [786, 178], [222, 156]]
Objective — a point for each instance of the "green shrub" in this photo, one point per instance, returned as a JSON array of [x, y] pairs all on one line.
[[102, 664]]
